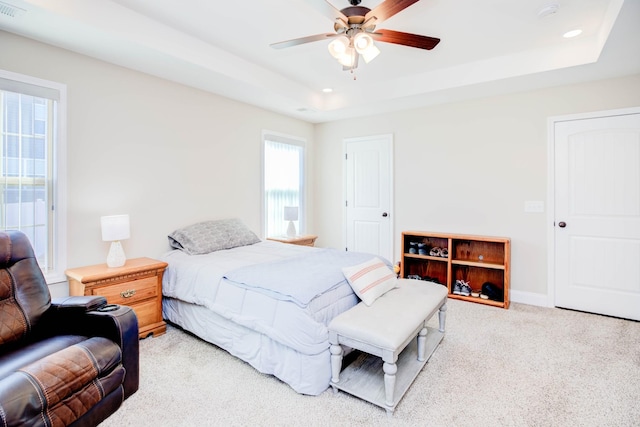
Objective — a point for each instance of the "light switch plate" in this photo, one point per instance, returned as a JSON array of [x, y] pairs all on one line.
[[534, 206]]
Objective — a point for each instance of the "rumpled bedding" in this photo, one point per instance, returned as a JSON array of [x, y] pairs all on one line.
[[297, 279], [301, 324]]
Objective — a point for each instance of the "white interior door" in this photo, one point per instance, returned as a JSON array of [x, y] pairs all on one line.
[[597, 215], [368, 195]]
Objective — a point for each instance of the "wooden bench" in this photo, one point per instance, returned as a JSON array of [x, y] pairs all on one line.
[[386, 330]]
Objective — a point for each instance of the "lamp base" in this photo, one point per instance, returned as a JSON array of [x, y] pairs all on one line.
[[116, 257], [291, 230]]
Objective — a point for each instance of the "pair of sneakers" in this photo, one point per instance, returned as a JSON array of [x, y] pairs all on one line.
[[438, 251], [461, 288], [417, 248]]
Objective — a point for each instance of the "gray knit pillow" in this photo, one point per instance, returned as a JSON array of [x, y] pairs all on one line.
[[210, 236]]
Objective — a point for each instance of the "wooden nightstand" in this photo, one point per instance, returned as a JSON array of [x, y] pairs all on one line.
[[308, 240], [137, 284]]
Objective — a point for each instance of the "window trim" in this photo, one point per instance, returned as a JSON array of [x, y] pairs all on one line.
[[292, 140], [46, 89]]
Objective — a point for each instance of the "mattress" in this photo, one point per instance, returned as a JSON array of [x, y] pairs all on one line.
[[277, 335]]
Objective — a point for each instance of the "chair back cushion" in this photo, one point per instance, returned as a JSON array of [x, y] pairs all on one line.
[[24, 294]]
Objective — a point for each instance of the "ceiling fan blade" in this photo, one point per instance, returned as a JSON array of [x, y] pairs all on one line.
[[302, 40], [406, 39], [327, 9], [388, 8]]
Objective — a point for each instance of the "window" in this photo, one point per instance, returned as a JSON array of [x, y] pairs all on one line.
[[31, 190], [283, 182]]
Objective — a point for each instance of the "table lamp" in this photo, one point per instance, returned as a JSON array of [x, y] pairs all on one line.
[[114, 229], [291, 214]]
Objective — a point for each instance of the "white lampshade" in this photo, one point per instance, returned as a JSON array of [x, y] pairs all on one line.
[[362, 42], [348, 59], [370, 53], [114, 227], [338, 46], [290, 213]]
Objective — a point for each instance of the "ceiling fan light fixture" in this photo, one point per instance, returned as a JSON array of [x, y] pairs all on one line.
[[355, 31], [369, 54], [339, 46], [348, 59], [362, 42]]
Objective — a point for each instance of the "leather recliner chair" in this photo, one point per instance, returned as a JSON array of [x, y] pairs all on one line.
[[70, 361]]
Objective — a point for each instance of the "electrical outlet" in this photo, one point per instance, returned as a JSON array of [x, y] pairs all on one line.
[[534, 206]]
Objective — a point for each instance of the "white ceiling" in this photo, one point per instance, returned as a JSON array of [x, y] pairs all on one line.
[[488, 47]]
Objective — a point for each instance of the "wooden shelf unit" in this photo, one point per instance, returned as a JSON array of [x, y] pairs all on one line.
[[475, 259]]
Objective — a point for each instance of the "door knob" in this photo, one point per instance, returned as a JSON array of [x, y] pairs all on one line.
[[562, 224], [384, 214]]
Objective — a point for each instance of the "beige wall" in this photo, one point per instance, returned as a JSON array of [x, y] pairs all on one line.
[[166, 154], [170, 155], [468, 167]]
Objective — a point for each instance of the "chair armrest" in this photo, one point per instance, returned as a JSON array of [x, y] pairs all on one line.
[[79, 303], [121, 326], [74, 316]]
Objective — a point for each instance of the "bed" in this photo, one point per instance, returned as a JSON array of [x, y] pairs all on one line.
[[265, 302]]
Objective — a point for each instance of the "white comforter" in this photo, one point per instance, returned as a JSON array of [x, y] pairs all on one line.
[[200, 279]]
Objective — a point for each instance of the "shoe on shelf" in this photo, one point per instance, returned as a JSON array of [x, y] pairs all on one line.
[[444, 253], [414, 277], [436, 251], [412, 247], [465, 288], [422, 248], [457, 287], [492, 291]]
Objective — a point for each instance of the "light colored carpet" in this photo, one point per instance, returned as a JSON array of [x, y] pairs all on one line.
[[525, 366]]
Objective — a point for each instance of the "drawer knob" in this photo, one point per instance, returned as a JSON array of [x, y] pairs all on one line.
[[128, 293]]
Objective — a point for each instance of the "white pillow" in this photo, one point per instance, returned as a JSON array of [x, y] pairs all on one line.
[[371, 279]]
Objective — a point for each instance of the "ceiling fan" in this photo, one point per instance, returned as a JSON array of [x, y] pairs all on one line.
[[355, 31]]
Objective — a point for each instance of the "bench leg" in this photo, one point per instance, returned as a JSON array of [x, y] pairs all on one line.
[[442, 316], [390, 370], [422, 344], [336, 362]]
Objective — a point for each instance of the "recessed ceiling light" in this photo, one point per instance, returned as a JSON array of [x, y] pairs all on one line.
[[327, 90], [572, 33]]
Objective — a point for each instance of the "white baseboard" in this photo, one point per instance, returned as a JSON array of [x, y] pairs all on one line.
[[531, 298]]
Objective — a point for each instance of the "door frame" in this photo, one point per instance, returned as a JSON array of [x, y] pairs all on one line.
[[551, 167], [345, 141]]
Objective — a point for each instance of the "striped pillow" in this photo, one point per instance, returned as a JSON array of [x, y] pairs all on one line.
[[370, 280]]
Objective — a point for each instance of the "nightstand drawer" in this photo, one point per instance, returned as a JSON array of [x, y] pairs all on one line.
[[146, 312], [128, 293]]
